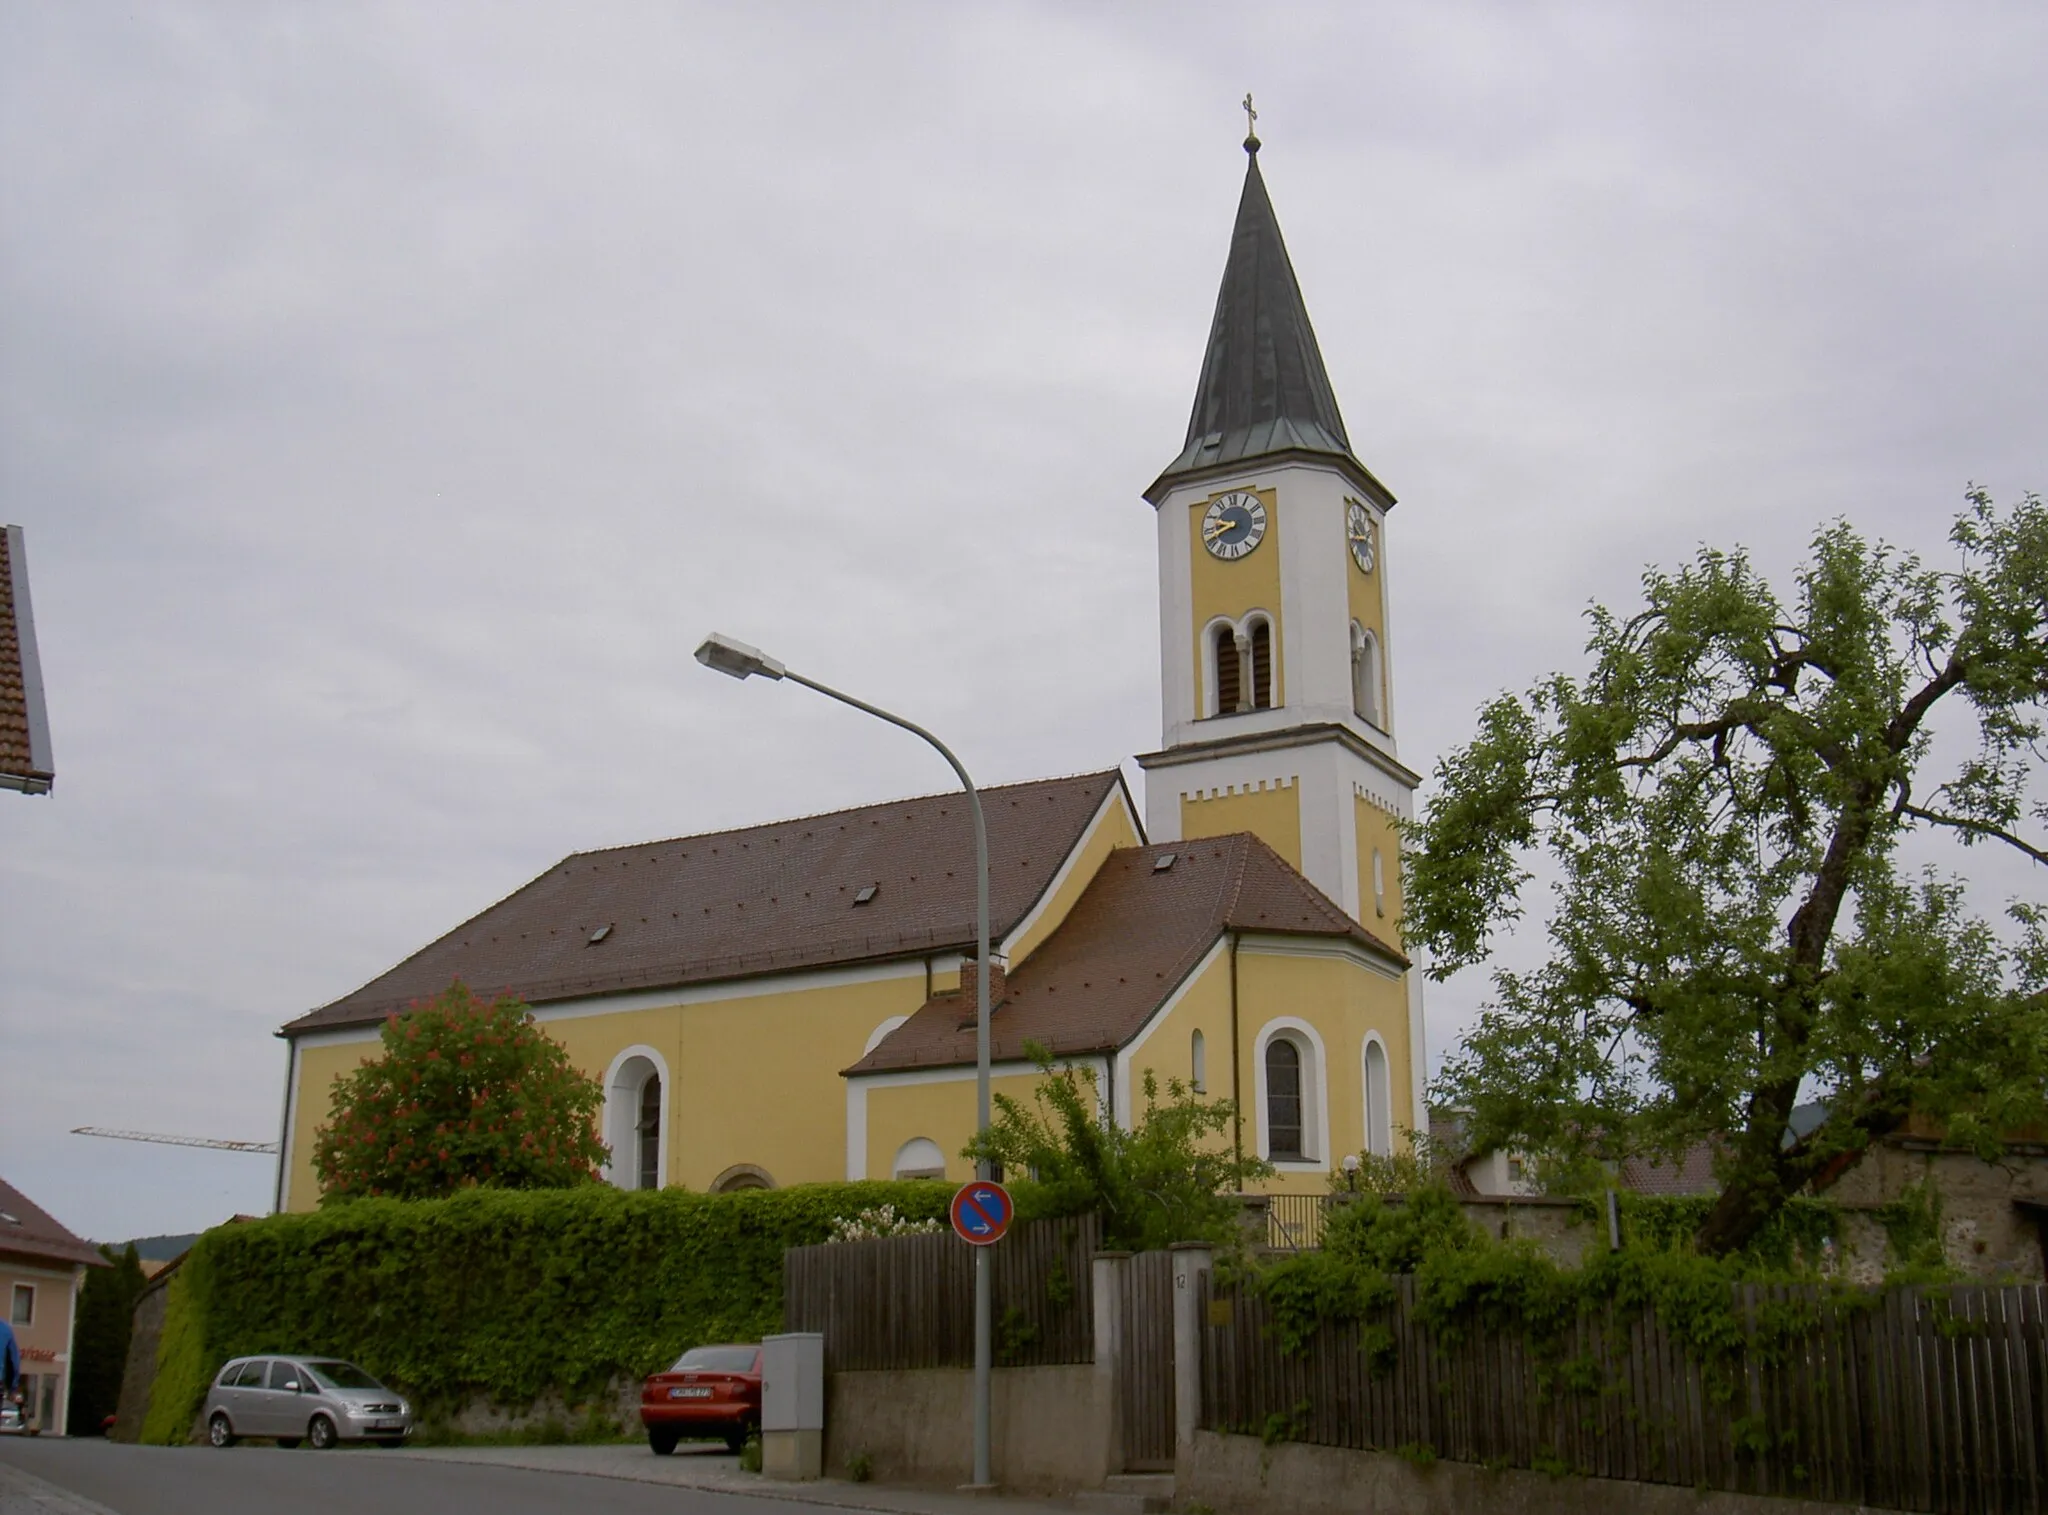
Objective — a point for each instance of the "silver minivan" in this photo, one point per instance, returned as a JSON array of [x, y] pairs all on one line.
[[318, 1400]]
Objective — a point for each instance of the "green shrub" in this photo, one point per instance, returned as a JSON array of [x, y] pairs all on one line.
[[1171, 1176], [1463, 1278], [99, 1345], [183, 1367], [498, 1293]]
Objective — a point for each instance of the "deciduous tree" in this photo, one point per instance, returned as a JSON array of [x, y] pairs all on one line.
[[465, 1092], [1169, 1177], [1721, 800]]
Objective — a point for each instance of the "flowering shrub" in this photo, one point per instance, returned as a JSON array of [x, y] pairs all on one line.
[[880, 1221], [466, 1093]]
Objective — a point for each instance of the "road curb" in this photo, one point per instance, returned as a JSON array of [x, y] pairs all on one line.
[[827, 1493]]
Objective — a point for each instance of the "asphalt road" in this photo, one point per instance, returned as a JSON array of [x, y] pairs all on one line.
[[133, 1480]]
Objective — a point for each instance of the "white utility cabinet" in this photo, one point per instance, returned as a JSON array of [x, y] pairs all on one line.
[[793, 1405]]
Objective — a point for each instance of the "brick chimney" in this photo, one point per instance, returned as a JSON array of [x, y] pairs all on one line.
[[998, 985]]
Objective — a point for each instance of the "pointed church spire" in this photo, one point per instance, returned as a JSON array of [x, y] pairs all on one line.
[[1263, 389]]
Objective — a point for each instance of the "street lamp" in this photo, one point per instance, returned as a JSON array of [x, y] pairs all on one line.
[[738, 660]]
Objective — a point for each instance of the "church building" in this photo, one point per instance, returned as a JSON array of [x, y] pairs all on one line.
[[1242, 935]]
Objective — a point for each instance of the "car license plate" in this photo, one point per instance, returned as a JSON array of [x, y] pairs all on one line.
[[689, 1393], [388, 1425]]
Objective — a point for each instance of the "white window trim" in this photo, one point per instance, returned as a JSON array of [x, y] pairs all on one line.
[[1241, 633], [624, 1116], [1385, 1117], [1368, 677], [15, 1294], [881, 1033], [1210, 701], [1315, 1093], [1251, 620], [1198, 1061], [896, 1169], [858, 1085]]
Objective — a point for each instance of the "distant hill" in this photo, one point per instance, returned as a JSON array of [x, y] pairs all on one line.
[[156, 1248]]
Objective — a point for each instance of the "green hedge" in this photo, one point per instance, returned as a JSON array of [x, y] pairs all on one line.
[[506, 1294]]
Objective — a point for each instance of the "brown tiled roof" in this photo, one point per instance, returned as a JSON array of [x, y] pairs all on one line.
[[27, 1230], [1692, 1174], [1136, 932], [766, 899], [20, 681]]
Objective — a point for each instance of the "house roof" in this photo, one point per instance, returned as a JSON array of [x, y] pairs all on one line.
[[1263, 389], [1691, 1174], [762, 899], [1135, 934], [28, 1230], [25, 761]]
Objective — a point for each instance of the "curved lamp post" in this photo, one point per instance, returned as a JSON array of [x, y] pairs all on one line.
[[740, 661]]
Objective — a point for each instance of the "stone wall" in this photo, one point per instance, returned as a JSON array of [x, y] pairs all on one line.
[[916, 1426], [1984, 1234], [1244, 1476], [138, 1374]]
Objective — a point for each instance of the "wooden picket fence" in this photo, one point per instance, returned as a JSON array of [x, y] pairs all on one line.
[[1932, 1399], [908, 1301]]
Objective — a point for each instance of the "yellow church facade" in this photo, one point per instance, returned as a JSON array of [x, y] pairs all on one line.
[[784, 1004]]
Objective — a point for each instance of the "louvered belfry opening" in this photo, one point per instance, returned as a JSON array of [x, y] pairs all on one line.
[[1262, 666], [1229, 673]]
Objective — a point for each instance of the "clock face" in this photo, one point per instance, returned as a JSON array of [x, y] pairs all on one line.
[[1358, 527], [1234, 525]]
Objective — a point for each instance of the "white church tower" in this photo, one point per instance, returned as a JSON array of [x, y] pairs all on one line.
[[1275, 652]]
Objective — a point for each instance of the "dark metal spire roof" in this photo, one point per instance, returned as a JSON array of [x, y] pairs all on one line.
[[1263, 389]]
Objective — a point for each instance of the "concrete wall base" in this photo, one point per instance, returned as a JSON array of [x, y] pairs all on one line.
[[792, 1456], [1246, 1477], [916, 1426]]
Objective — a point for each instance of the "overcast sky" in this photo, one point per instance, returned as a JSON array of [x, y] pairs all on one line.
[[393, 395]]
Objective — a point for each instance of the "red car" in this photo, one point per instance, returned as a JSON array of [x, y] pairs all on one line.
[[710, 1392]]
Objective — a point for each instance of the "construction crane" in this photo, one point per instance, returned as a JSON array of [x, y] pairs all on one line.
[[215, 1142]]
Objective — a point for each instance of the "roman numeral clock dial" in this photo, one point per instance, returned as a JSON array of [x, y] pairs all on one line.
[[1358, 527], [1234, 524]]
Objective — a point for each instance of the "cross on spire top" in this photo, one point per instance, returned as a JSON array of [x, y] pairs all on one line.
[[1251, 125]]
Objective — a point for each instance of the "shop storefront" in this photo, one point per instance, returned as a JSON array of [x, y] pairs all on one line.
[[42, 1266]]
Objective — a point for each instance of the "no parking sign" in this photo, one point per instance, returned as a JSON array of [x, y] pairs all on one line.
[[981, 1212]]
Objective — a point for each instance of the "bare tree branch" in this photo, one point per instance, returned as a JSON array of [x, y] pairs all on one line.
[[1965, 823]]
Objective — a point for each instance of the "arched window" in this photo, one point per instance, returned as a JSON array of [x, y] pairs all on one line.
[[1262, 664], [636, 1119], [649, 1132], [1379, 883], [1291, 1094], [1365, 675], [1284, 1124], [919, 1157], [742, 1176], [1379, 1123], [881, 1032], [1229, 672], [1198, 1062]]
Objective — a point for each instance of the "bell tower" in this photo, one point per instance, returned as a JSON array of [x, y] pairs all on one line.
[[1274, 644]]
